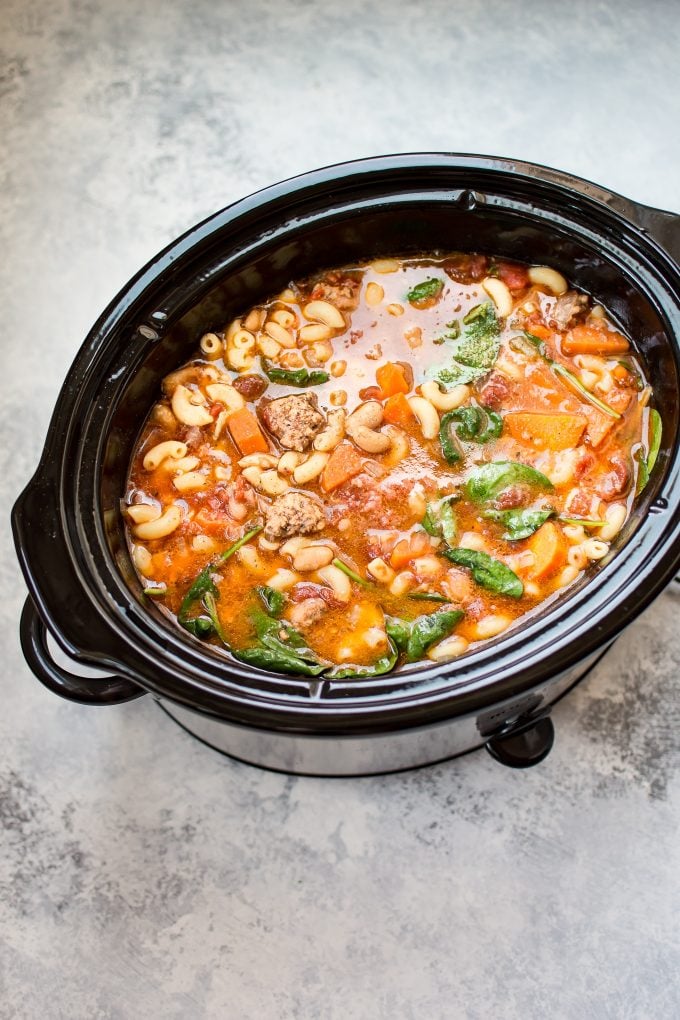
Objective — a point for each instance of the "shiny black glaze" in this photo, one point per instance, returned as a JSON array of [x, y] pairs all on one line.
[[67, 524]]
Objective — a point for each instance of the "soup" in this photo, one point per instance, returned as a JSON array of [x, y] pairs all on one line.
[[389, 463]]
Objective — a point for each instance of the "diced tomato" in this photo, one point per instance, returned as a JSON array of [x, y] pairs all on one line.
[[515, 277]]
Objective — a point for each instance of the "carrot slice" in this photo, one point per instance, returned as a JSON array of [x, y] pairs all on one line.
[[408, 549], [591, 340], [397, 410], [391, 379], [549, 547], [539, 330], [246, 432], [546, 431], [344, 463]]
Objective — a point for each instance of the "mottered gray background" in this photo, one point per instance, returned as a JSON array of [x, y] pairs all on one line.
[[141, 874]]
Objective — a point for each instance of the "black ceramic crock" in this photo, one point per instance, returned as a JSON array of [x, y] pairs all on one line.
[[68, 529]]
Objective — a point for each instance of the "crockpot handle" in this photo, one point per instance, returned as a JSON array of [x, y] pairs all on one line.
[[111, 690], [663, 226], [520, 747]]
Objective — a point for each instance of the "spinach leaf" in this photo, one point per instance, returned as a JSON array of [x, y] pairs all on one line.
[[427, 596], [440, 519], [280, 634], [272, 600], [398, 631], [431, 288], [487, 480], [468, 421], [656, 428], [414, 637], [281, 647], [481, 335], [430, 521], [428, 629], [294, 376], [493, 428], [471, 424], [209, 603], [646, 464], [280, 659], [204, 586], [475, 353], [487, 572], [382, 665], [519, 523]]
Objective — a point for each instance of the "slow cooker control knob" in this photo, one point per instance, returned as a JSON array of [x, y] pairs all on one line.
[[524, 745]]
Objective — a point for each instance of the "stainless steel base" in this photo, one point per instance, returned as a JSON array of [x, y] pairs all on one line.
[[369, 754]]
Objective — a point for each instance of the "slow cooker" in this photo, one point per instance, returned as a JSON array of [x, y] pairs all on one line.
[[68, 529]]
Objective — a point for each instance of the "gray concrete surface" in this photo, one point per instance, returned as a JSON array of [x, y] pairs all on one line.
[[141, 875]]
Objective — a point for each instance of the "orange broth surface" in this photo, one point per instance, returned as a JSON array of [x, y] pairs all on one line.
[[546, 379]]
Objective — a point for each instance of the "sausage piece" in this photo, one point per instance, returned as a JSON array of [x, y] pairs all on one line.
[[304, 614], [294, 420], [293, 514], [341, 289]]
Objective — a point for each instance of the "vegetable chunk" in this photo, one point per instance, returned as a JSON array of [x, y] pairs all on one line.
[[343, 464], [246, 432], [590, 340], [546, 431], [391, 378], [549, 547]]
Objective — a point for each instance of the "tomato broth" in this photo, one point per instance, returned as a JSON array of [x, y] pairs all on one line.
[[389, 463]]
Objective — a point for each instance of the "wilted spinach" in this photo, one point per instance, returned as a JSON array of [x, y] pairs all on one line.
[[475, 352], [414, 637], [352, 574], [471, 424], [272, 599], [487, 572], [280, 646], [646, 463], [382, 665], [519, 523], [294, 376], [488, 480], [425, 290], [440, 519]]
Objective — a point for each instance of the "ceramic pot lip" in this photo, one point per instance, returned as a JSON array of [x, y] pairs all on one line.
[[110, 628]]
